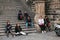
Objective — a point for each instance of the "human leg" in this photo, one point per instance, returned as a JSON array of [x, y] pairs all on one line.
[[26, 24], [23, 33], [40, 27], [7, 33], [43, 28], [12, 33], [31, 24]]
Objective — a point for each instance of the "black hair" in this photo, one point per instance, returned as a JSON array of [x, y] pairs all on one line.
[[19, 10]]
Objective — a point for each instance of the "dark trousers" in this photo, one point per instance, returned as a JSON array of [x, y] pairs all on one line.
[[9, 31], [48, 27], [42, 27]]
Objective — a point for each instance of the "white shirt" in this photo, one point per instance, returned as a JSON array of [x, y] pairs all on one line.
[[41, 21]]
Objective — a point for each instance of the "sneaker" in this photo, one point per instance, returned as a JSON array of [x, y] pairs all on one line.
[[14, 35], [26, 33], [42, 31]]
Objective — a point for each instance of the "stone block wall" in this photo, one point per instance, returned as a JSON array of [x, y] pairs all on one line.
[[53, 10]]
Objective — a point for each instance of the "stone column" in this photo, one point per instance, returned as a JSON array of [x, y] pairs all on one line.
[[40, 11]]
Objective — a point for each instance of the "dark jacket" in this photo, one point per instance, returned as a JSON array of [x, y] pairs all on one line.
[[8, 27], [20, 16], [18, 29], [46, 21], [29, 20]]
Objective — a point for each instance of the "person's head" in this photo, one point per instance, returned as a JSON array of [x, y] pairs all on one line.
[[25, 12], [17, 24], [8, 22], [19, 10], [28, 17], [46, 17], [40, 17]]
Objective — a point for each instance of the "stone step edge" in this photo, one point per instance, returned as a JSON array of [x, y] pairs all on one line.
[[4, 34], [30, 29]]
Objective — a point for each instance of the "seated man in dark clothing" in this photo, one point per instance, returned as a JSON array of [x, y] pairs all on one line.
[[47, 23], [25, 15], [29, 22], [9, 29], [18, 30], [20, 16]]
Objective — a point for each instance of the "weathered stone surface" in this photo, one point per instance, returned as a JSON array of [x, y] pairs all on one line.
[[33, 36], [40, 11], [53, 10]]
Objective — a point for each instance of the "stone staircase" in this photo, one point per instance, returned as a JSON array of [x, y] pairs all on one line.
[[8, 11], [33, 7]]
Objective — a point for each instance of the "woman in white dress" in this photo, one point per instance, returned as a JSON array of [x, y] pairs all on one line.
[[41, 24]]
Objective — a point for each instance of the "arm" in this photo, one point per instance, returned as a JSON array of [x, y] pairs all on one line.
[[20, 28]]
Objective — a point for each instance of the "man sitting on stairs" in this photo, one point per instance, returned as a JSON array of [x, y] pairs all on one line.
[[8, 29]]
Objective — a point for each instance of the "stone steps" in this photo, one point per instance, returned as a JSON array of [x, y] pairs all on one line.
[[2, 30], [29, 31], [22, 26], [33, 7], [9, 10]]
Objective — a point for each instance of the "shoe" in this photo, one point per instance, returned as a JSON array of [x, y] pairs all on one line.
[[26, 33], [42, 31], [14, 35]]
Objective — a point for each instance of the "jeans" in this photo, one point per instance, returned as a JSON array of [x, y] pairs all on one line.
[[29, 25]]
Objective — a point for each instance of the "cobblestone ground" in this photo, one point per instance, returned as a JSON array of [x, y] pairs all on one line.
[[34, 36]]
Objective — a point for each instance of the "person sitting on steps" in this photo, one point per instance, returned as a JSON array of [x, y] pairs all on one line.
[[20, 16], [8, 29], [18, 30], [29, 22], [47, 23], [41, 24], [25, 15]]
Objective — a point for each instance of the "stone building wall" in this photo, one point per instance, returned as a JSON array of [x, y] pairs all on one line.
[[39, 11], [53, 10]]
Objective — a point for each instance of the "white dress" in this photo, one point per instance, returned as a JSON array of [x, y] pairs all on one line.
[[41, 21]]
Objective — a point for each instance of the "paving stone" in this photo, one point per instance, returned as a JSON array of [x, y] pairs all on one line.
[[33, 36]]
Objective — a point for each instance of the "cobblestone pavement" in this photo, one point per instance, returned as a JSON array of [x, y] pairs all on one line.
[[34, 36]]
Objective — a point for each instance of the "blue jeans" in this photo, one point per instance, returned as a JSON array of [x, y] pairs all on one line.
[[27, 24]]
